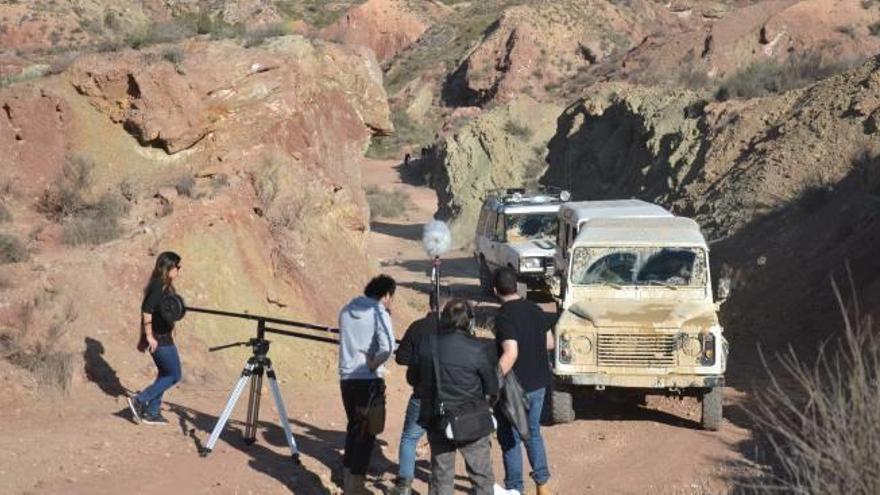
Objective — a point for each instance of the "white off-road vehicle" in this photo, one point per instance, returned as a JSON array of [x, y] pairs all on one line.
[[638, 315], [518, 229]]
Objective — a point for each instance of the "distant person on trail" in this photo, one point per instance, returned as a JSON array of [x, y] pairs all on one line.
[[366, 341], [408, 351], [523, 337], [157, 337]]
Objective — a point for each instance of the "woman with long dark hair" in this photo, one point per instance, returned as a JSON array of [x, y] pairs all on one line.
[[156, 336]]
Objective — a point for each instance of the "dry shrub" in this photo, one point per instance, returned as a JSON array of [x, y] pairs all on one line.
[[824, 431], [51, 366], [5, 215], [257, 37], [97, 224], [12, 250], [65, 198], [767, 77], [518, 130], [387, 204]]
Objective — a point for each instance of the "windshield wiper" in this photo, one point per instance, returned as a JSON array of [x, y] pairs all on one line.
[[610, 284], [661, 283]]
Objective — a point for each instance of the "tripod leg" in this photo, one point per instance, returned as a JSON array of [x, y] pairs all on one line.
[[253, 416], [282, 413], [227, 411]]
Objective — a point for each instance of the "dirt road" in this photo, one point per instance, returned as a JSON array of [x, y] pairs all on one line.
[[85, 443]]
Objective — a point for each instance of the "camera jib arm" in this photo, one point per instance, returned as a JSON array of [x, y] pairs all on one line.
[[259, 364]]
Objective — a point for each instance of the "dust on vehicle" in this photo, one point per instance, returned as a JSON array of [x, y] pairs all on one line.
[[638, 315]]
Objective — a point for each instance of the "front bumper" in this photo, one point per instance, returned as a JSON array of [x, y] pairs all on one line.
[[643, 381]]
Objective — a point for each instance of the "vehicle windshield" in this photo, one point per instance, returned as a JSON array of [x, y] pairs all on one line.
[[530, 226], [620, 266]]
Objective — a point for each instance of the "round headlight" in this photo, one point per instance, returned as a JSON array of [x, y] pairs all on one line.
[[692, 346]]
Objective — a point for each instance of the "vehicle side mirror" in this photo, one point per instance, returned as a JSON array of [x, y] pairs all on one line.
[[723, 291]]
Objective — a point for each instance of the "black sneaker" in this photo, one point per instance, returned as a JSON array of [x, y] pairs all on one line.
[[154, 419], [137, 409]]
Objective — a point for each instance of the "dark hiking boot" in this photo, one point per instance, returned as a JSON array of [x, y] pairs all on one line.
[[137, 409], [154, 419]]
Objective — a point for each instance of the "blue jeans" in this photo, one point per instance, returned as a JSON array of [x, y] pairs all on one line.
[[509, 440], [168, 362], [409, 439]]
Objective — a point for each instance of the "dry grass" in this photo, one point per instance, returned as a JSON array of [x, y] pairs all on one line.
[[51, 365], [5, 215], [387, 204], [824, 430], [99, 224], [65, 198], [769, 77]]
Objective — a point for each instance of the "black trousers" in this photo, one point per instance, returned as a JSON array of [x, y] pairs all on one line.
[[359, 442]]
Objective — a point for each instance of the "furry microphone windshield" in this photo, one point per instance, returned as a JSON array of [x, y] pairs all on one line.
[[436, 238]]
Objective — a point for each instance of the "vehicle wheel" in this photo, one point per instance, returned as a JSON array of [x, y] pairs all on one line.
[[485, 278], [562, 406], [712, 408]]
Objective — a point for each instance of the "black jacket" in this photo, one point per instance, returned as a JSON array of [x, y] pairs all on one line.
[[410, 344], [467, 374]]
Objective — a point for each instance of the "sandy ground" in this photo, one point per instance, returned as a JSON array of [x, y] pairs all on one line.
[[86, 443]]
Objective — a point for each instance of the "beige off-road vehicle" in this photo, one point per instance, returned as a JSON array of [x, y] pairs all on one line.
[[638, 316]]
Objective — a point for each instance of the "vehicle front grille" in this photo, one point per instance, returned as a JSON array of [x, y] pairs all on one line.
[[636, 350]]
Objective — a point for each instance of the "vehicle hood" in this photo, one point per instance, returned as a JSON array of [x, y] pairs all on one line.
[[615, 313], [537, 249]]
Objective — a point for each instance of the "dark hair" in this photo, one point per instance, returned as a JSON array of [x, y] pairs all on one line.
[[505, 281], [458, 314], [380, 286], [164, 263]]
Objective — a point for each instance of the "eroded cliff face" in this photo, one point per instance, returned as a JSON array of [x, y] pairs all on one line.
[[501, 148], [784, 187], [243, 160]]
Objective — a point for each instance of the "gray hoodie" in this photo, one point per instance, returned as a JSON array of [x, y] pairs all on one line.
[[364, 330]]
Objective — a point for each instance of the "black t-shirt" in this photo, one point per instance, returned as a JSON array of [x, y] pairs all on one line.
[[525, 322], [161, 327], [408, 350]]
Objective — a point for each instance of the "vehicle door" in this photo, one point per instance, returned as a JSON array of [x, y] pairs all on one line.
[[496, 240]]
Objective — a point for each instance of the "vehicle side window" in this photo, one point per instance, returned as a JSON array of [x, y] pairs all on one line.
[[499, 227], [481, 224]]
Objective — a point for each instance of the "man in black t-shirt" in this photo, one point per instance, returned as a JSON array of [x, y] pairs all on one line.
[[523, 337]]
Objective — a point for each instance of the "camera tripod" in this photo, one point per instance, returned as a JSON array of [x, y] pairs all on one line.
[[253, 371]]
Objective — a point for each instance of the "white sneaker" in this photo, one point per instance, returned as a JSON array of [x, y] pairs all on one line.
[[503, 491]]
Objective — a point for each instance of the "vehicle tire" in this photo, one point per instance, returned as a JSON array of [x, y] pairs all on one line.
[[485, 278], [562, 406], [712, 405]]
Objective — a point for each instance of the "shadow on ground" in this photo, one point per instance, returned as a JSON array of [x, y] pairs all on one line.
[[99, 371], [312, 441]]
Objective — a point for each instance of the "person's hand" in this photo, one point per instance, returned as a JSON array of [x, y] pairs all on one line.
[[152, 343]]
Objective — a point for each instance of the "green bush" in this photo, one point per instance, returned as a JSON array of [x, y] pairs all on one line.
[[12, 250]]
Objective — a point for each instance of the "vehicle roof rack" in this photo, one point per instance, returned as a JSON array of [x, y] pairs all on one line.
[[542, 194]]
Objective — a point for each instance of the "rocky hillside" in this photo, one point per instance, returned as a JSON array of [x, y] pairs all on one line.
[[244, 160]]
